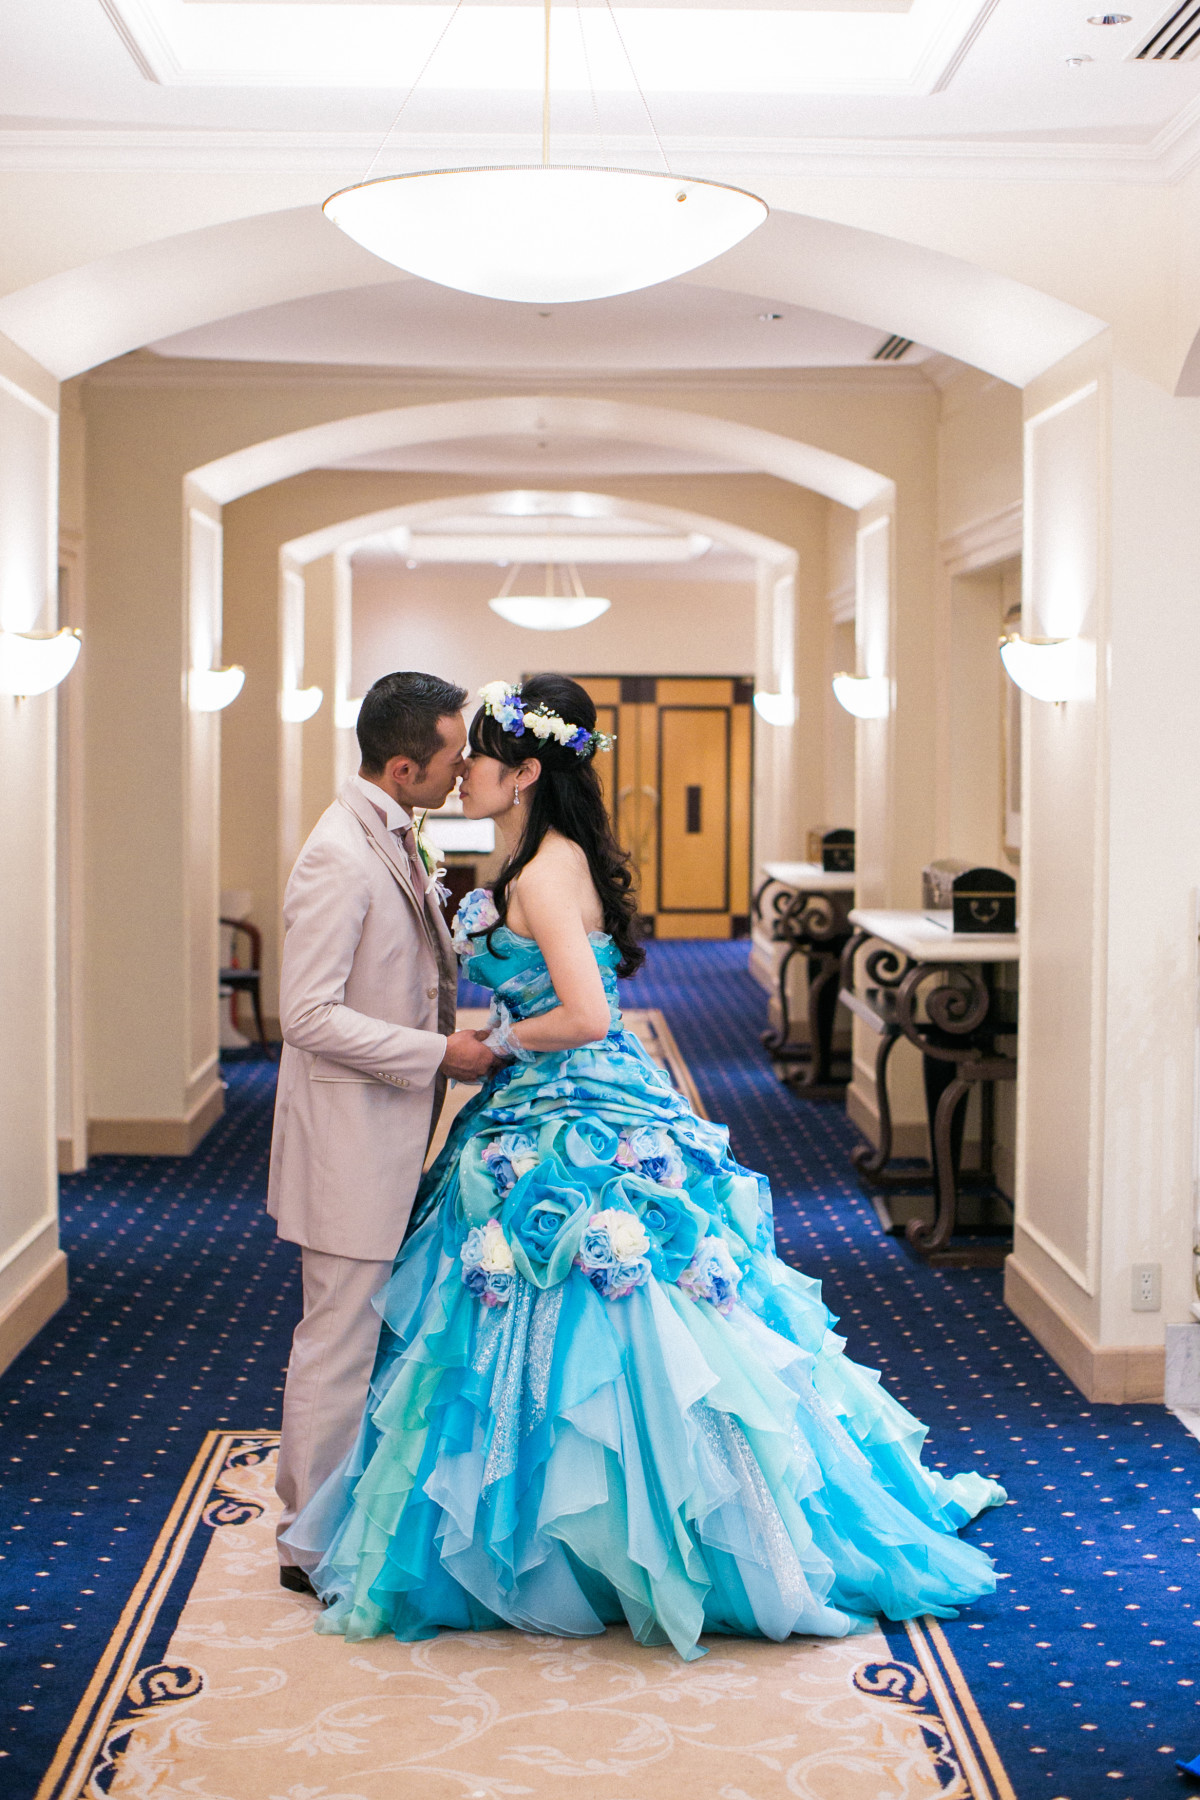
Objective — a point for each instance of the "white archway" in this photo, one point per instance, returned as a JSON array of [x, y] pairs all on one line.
[[76, 319], [318, 446]]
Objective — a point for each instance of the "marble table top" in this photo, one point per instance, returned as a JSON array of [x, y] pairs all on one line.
[[930, 937], [809, 877]]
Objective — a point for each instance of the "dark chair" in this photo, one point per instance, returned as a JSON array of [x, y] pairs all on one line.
[[248, 980]]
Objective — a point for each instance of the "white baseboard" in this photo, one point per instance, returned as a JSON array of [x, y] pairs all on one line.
[[31, 1308], [1112, 1374]]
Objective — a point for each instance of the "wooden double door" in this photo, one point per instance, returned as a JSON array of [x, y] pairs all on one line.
[[678, 786]]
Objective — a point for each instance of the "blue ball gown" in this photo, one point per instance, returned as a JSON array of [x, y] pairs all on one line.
[[601, 1397]]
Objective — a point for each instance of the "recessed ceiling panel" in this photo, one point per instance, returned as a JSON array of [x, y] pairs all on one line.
[[673, 48]]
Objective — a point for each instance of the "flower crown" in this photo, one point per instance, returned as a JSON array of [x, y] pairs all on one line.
[[504, 704]]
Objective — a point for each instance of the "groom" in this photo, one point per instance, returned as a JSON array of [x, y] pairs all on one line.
[[367, 1004]]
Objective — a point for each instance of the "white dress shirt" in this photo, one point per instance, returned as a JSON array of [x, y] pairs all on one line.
[[394, 816]]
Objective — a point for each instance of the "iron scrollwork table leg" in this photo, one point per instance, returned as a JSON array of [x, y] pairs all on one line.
[[957, 1039]]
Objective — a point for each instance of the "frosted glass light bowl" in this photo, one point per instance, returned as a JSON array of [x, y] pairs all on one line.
[[549, 612], [212, 690], [866, 696], [1051, 669], [545, 234], [33, 662]]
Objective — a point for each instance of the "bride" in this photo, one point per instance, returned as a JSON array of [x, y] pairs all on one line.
[[599, 1395]]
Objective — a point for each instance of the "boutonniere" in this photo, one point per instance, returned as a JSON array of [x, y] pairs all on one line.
[[430, 856]]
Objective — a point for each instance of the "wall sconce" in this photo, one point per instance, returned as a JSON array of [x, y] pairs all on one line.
[[33, 662], [1048, 668], [211, 690], [345, 713], [866, 696], [776, 709], [298, 704]]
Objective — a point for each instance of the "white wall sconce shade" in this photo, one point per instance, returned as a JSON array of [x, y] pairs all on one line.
[[296, 705], [211, 690], [542, 234], [776, 709], [33, 662], [345, 713], [1048, 668], [866, 696]]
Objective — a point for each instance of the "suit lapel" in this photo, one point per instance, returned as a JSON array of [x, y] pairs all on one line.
[[391, 852]]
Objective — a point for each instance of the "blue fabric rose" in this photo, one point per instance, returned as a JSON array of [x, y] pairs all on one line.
[[543, 1219], [675, 1225], [596, 1251], [498, 1287], [590, 1142]]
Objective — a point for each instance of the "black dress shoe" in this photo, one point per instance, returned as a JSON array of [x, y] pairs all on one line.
[[296, 1581]]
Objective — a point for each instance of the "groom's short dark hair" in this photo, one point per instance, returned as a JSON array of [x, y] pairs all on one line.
[[399, 717]]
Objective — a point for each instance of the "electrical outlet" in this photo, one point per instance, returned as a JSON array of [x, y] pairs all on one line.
[[1147, 1287]]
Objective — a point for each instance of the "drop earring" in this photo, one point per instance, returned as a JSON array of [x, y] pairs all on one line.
[[516, 793]]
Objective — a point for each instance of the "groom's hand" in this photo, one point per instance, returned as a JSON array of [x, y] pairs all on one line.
[[466, 1058]]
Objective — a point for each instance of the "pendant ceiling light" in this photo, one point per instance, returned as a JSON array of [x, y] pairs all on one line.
[[548, 611], [544, 234]]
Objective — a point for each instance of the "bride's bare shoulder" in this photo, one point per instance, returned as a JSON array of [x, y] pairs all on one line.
[[558, 871]]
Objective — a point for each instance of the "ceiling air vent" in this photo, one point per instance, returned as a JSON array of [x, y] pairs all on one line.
[[1176, 38], [893, 348]]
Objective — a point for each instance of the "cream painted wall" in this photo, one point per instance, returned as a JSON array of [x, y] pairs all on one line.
[[71, 797], [1111, 865], [32, 1267], [439, 619]]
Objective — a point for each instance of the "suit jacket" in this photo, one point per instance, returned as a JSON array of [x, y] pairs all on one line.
[[367, 996]]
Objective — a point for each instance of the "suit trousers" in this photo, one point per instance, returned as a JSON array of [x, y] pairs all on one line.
[[328, 1374]]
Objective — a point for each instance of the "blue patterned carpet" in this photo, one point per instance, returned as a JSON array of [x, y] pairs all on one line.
[[181, 1310]]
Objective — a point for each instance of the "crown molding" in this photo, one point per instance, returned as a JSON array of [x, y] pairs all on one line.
[[145, 369], [335, 157], [985, 541]]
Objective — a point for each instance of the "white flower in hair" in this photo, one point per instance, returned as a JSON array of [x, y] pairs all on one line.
[[494, 693]]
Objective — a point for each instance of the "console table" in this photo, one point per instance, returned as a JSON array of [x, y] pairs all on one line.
[[809, 912], [920, 979]]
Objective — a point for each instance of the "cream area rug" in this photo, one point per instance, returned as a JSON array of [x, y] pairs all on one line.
[[249, 1703]]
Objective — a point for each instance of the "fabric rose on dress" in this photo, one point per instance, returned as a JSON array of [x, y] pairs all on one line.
[[590, 1143], [674, 1225], [653, 1152], [544, 1216], [476, 914], [612, 1252], [487, 1262], [712, 1275], [508, 1157]]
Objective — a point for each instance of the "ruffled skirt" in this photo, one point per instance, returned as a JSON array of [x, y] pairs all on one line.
[[565, 1460]]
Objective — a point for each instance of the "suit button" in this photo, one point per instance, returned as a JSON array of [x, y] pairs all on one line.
[[432, 993]]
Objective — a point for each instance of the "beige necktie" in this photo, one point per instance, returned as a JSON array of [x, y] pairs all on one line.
[[408, 838]]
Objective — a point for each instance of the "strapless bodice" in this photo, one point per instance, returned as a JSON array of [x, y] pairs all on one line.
[[512, 966]]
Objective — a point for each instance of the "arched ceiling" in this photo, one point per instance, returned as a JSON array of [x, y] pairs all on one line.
[[746, 446], [162, 164], [85, 316]]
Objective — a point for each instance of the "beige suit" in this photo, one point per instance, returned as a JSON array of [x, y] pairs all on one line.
[[367, 997]]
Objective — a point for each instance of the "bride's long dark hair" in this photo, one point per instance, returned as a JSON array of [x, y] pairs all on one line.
[[565, 798]]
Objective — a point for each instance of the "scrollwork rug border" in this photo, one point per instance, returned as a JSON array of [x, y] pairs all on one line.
[[84, 1741]]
